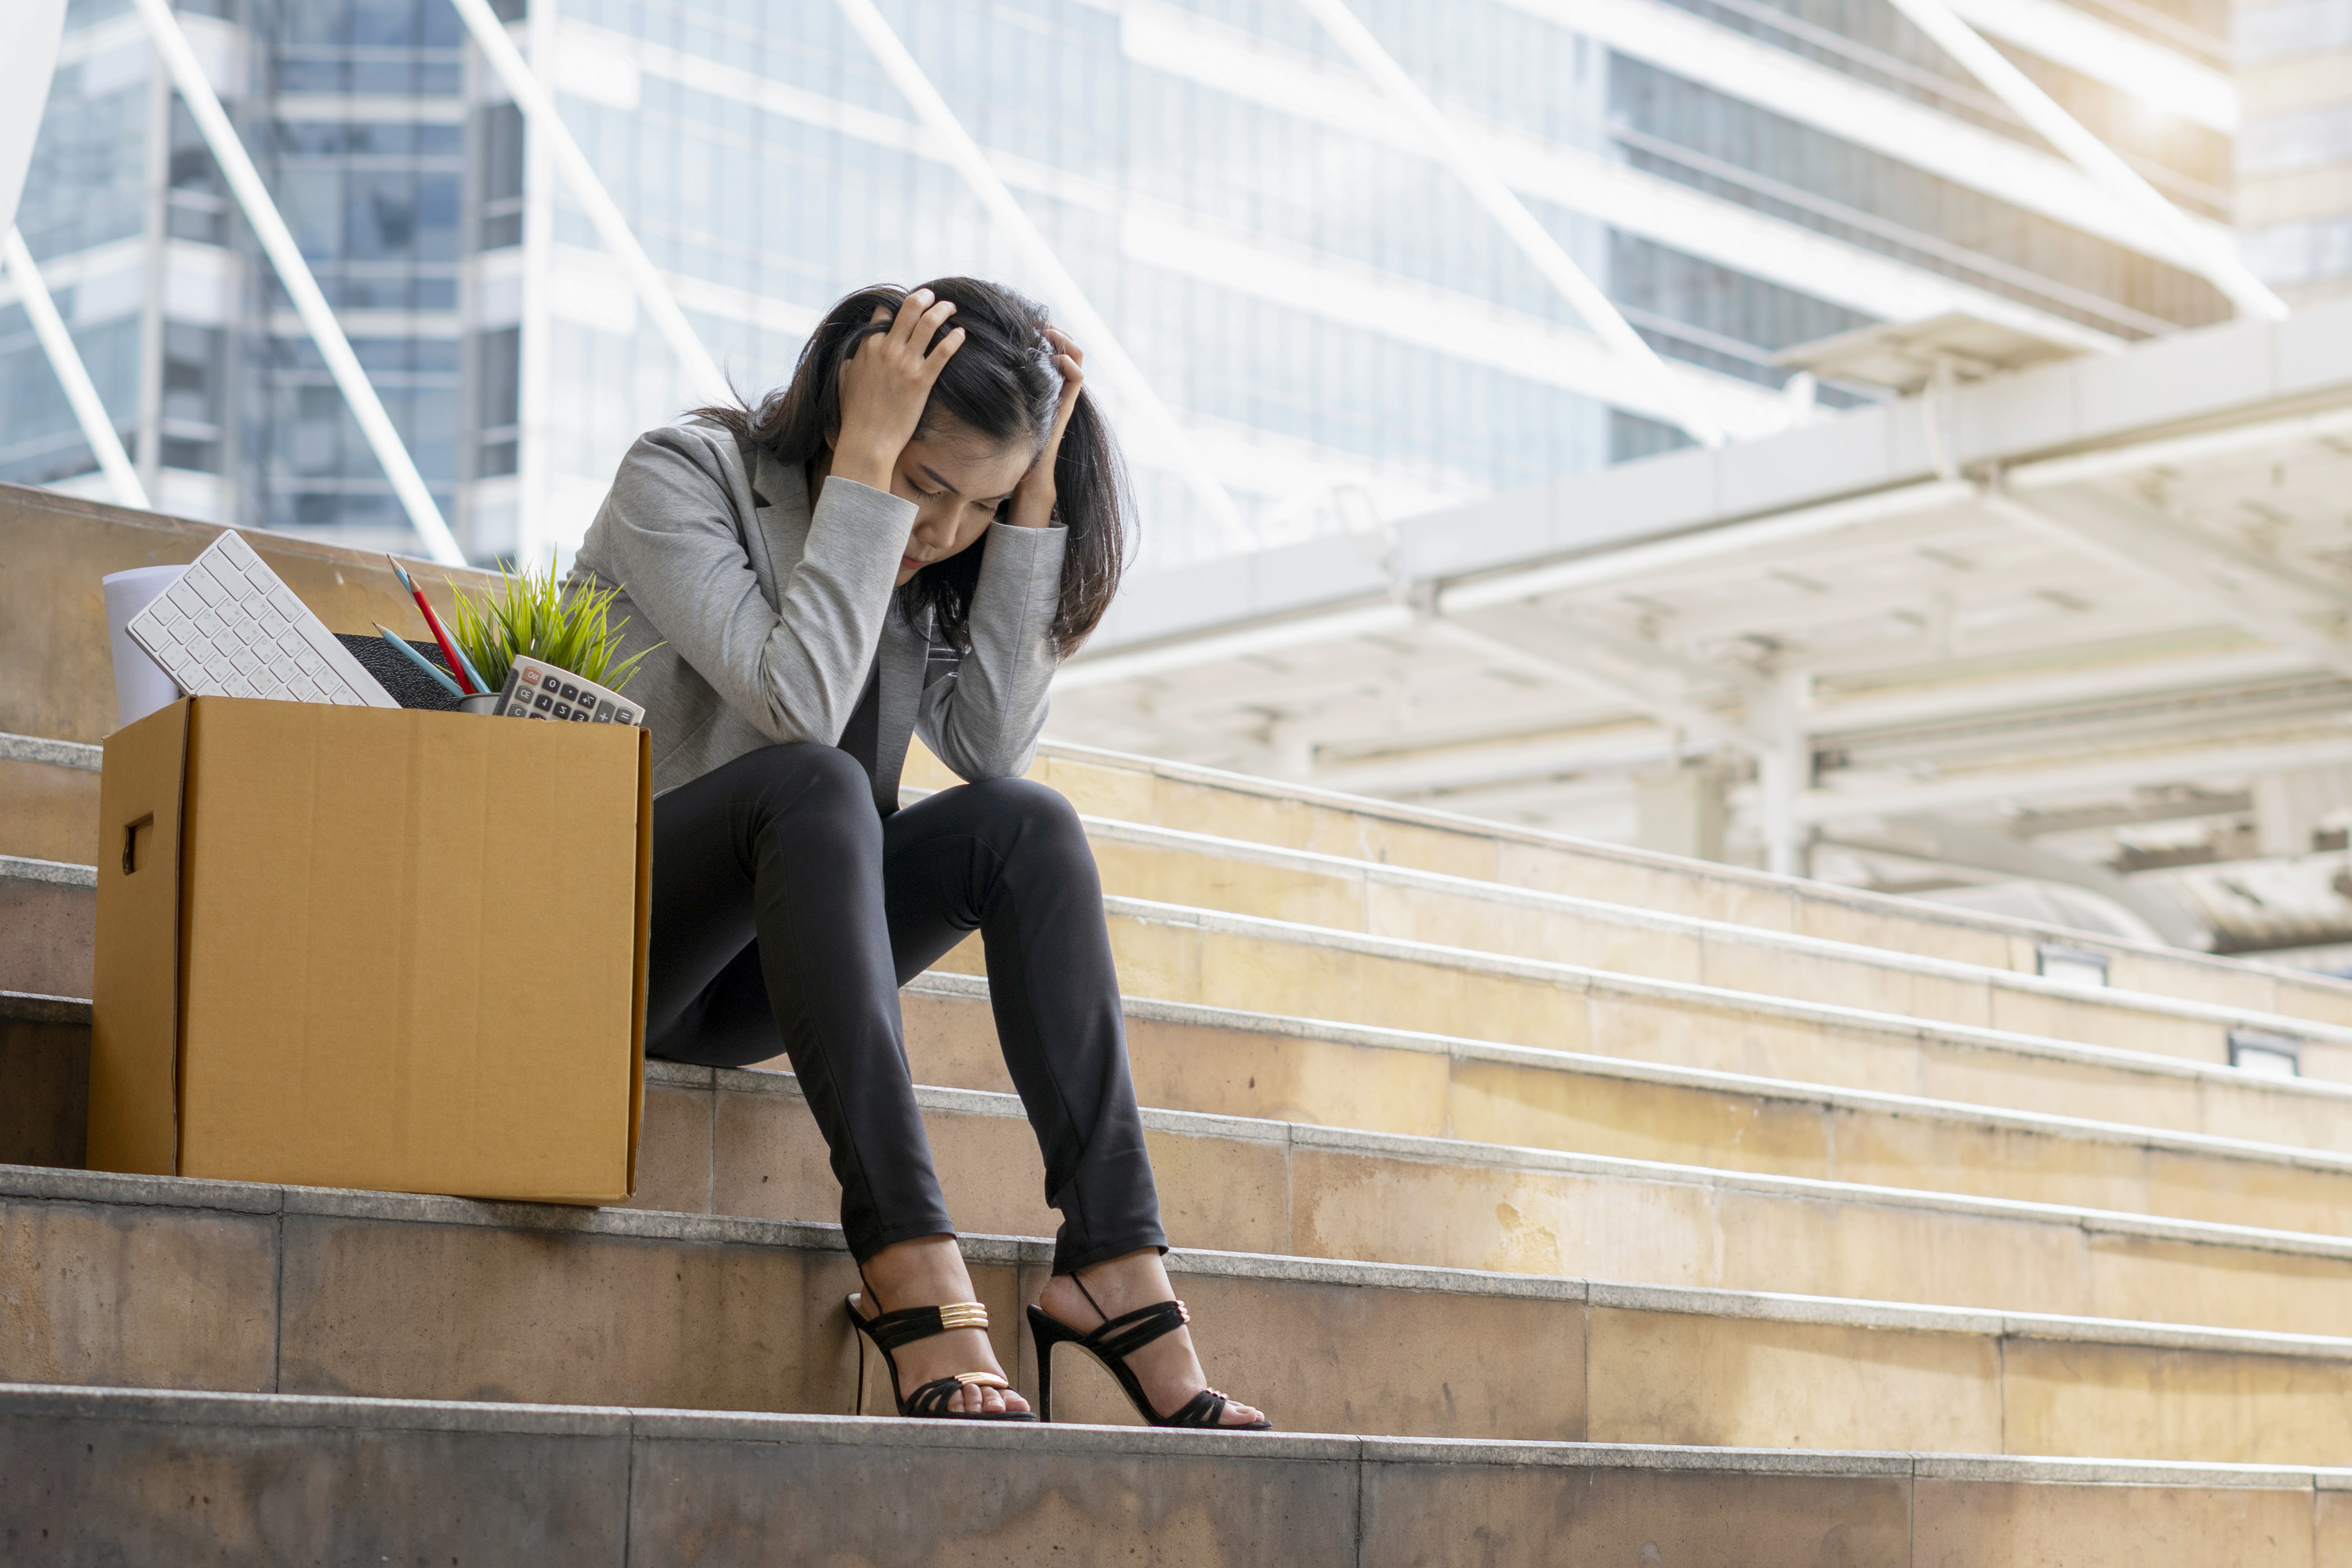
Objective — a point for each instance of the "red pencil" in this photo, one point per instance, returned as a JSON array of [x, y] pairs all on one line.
[[448, 649]]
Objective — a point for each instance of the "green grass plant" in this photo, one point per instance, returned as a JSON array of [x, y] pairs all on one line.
[[537, 615]]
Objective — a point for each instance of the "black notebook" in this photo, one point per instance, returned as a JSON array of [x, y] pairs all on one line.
[[410, 686]]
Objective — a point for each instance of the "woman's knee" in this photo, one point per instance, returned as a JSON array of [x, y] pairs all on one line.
[[1042, 815], [804, 774]]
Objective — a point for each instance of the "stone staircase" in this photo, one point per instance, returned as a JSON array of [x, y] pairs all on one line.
[[1563, 1204]]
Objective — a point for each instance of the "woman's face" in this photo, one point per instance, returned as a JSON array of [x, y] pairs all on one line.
[[957, 479]]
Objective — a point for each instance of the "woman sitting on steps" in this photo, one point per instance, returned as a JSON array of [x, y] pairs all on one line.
[[903, 541]]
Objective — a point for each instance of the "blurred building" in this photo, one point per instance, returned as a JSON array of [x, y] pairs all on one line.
[[1344, 334], [2295, 149]]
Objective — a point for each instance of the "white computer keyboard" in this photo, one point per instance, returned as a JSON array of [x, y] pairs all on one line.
[[230, 627]]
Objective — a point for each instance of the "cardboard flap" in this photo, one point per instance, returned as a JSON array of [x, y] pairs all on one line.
[[135, 991]]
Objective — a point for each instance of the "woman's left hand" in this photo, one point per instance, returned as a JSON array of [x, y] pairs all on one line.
[[1032, 499]]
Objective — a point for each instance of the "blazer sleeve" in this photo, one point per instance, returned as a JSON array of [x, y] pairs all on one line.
[[669, 532], [983, 720]]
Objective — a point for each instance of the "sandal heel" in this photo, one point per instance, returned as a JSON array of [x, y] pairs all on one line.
[[1045, 1332], [1110, 1344]]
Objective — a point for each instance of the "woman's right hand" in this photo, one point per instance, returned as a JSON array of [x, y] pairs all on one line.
[[885, 386]]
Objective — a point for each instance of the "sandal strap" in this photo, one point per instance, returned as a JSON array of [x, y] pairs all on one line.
[[1129, 1332], [905, 1326], [932, 1398], [1206, 1408]]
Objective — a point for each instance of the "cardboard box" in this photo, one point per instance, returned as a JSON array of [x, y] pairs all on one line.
[[362, 947]]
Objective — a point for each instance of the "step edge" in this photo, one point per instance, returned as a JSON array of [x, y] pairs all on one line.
[[1038, 1252], [970, 987], [1454, 1152], [1636, 918], [38, 1007], [1450, 1148], [1748, 875], [78, 755], [22, 1401], [54, 873], [1576, 977]]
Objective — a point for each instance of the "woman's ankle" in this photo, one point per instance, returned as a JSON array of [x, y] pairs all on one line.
[[1110, 1286], [921, 1271]]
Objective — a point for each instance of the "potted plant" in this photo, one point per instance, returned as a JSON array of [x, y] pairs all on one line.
[[538, 616]]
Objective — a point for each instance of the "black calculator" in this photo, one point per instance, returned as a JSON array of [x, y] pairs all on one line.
[[539, 690]]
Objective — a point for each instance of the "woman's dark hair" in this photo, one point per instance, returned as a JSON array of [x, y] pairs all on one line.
[[1002, 385]]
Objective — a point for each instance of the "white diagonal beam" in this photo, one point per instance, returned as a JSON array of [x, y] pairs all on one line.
[[2216, 259], [72, 374], [2162, 77], [538, 106], [277, 243], [1551, 257], [2129, 539], [1070, 303]]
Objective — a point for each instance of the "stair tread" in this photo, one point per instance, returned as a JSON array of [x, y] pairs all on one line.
[[45, 1185], [1481, 828], [1633, 917], [340, 1410], [109, 1188]]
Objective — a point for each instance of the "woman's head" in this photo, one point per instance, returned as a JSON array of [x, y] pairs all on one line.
[[988, 417]]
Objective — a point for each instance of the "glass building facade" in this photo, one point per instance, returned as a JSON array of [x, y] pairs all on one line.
[[1330, 315]]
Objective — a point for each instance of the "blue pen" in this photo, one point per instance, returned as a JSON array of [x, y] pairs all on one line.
[[418, 659]]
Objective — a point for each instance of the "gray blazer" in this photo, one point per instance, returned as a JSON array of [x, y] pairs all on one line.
[[770, 615]]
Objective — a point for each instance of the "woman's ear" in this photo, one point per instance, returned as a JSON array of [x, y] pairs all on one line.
[[833, 439]]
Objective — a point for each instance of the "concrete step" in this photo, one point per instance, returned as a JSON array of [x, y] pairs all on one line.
[[103, 1475], [1182, 953], [1153, 792], [1478, 1105], [1230, 1062], [48, 926], [742, 1142], [1230, 875], [157, 1282], [51, 790]]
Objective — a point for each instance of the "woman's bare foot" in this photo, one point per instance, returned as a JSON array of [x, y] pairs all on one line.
[[1167, 1367], [928, 1272]]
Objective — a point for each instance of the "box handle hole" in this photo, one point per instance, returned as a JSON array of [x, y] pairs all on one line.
[[131, 842]]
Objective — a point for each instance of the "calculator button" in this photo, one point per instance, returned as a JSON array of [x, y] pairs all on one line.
[[519, 711], [604, 712], [530, 678], [563, 710], [544, 702], [624, 716], [571, 692], [580, 716]]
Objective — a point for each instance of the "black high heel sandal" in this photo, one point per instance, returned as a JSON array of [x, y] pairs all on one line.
[[1110, 1344], [890, 1330]]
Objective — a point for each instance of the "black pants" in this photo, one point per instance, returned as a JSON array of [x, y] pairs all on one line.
[[787, 909]]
